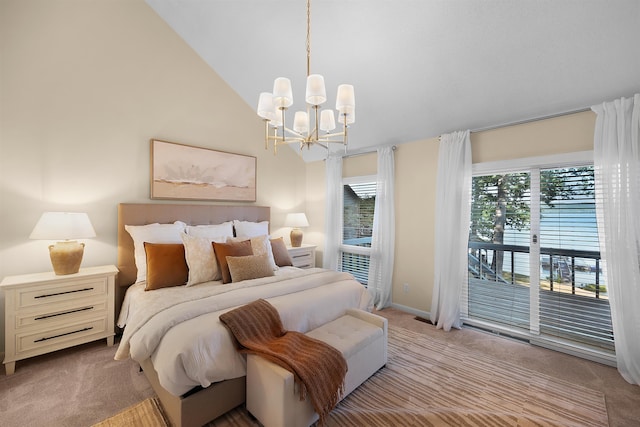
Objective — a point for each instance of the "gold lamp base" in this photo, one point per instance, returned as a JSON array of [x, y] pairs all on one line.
[[66, 257], [296, 238]]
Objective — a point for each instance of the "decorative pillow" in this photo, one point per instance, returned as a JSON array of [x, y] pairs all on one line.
[[201, 259], [280, 253], [260, 246], [249, 267], [152, 233], [217, 232], [248, 229], [223, 250], [166, 265]]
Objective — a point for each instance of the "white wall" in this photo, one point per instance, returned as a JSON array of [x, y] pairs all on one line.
[[84, 86]]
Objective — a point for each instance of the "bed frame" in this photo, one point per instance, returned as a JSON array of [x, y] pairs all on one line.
[[201, 405]]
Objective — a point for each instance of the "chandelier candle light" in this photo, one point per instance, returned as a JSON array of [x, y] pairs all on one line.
[[272, 108], [66, 256]]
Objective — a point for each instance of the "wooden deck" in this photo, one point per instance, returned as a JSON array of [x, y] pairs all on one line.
[[579, 318]]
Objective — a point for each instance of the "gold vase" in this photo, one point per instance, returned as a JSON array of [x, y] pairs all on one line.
[[66, 257]]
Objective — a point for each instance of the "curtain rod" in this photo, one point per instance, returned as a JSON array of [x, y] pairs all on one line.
[[365, 150], [533, 119]]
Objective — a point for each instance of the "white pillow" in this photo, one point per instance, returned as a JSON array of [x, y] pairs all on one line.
[[212, 231], [201, 259], [247, 229], [152, 233]]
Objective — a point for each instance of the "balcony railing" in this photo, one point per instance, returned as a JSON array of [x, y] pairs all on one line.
[[573, 302], [561, 263]]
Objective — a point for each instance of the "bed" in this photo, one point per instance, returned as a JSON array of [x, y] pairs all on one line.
[[175, 334]]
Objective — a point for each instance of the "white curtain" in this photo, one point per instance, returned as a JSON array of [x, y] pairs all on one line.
[[333, 216], [617, 174], [384, 231], [452, 228]]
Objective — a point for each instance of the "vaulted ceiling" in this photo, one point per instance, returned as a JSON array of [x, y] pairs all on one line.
[[422, 68]]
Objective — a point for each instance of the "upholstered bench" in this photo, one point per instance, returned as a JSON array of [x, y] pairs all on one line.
[[272, 396]]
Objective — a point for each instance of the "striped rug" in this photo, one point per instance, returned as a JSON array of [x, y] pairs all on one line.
[[427, 382]]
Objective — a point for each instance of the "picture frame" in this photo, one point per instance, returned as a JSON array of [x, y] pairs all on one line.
[[186, 172]]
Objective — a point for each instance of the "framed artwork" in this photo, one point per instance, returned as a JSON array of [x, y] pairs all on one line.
[[181, 171]]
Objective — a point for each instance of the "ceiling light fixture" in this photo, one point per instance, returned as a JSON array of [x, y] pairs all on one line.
[[272, 108]]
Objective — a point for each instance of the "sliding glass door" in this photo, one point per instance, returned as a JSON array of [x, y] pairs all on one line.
[[534, 262]]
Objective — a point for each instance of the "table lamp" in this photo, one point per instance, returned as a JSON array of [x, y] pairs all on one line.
[[296, 220], [66, 255]]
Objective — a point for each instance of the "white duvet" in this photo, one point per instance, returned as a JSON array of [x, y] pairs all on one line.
[[179, 327]]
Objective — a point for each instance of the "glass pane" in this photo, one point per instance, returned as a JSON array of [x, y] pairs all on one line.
[[499, 249], [573, 295], [359, 205]]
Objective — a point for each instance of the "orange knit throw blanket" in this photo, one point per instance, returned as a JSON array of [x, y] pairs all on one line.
[[318, 368]]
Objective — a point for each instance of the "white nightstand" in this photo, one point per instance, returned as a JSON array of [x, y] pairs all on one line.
[[303, 256], [45, 312]]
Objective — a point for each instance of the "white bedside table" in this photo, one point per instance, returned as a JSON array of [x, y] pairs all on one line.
[[303, 256], [45, 312]]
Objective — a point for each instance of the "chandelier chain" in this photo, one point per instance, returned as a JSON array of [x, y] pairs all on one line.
[[308, 37]]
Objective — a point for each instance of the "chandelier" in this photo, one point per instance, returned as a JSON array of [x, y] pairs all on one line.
[[313, 126]]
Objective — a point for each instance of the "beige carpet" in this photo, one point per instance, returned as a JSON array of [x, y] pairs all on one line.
[[430, 383]]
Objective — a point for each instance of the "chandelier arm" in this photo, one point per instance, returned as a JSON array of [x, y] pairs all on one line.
[[293, 133]]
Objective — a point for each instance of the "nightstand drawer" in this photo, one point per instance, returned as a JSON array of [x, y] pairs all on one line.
[[303, 256], [81, 309], [60, 337], [48, 293], [301, 260]]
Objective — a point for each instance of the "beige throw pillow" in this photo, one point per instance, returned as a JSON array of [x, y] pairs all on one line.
[[249, 267]]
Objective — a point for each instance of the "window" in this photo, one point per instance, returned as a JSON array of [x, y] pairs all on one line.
[[359, 199], [534, 259]]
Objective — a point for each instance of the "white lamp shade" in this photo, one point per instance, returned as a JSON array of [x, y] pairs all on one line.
[[316, 93], [266, 109], [63, 226], [301, 122], [282, 93], [327, 120], [346, 99], [296, 220]]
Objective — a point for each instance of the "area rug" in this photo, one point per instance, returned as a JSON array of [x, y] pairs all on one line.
[[147, 413], [427, 382]]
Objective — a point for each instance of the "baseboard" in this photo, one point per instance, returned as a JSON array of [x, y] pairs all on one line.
[[420, 313]]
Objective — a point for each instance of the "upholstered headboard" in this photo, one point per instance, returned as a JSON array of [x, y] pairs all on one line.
[[148, 213]]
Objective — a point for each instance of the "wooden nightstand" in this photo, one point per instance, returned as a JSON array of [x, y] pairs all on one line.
[[303, 256], [45, 312]]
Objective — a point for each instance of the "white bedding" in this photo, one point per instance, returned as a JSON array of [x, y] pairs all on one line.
[[180, 330]]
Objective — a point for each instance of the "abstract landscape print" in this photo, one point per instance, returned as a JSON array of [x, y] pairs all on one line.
[[181, 171]]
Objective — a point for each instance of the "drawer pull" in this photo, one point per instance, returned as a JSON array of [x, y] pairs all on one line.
[[62, 335], [64, 293], [47, 316]]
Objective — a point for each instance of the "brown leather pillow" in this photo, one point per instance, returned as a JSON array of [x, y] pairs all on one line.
[[223, 250], [166, 265], [280, 253]]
